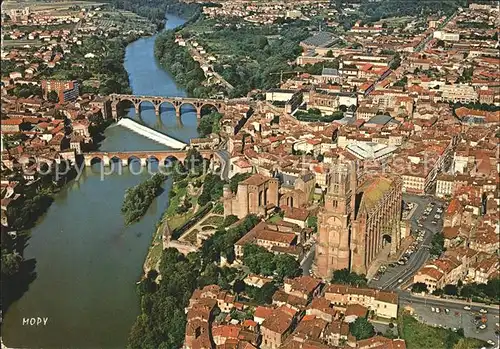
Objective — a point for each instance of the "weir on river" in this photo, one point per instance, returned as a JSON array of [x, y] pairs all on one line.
[[151, 134], [87, 259]]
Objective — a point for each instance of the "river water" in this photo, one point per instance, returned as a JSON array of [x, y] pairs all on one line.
[[87, 260]]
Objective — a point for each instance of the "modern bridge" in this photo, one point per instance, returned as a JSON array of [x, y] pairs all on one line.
[[157, 101]]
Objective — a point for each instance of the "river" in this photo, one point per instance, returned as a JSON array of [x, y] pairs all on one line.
[[87, 260]]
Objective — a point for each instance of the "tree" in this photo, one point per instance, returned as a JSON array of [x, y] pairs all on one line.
[[389, 333], [286, 266], [53, 97], [329, 53], [312, 222], [11, 262], [344, 276], [437, 244], [450, 290], [264, 295], [238, 286], [437, 292], [229, 220], [419, 287], [361, 328], [209, 124]]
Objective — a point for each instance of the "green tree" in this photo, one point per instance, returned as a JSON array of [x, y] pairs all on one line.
[[209, 124], [228, 220], [264, 295], [450, 290], [361, 328], [437, 244], [286, 266], [344, 276], [419, 287], [53, 97], [437, 292], [312, 222], [11, 262]]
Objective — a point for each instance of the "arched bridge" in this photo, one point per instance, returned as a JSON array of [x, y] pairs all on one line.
[[157, 101], [125, 157]]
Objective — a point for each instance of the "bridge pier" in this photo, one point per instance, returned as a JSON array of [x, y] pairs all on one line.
[[137, 109], [144, 162], [124, 162], [157, 111], [114, 112], [106, 161], [177, 112], [88, 162]]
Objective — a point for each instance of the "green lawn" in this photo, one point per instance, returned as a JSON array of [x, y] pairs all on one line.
[[213, 220], [275, 218], [191, 237]]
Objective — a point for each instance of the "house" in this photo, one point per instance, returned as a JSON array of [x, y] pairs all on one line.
[[296, 215], [305, 287], [261, 313], [277, 327], [12, 125], [382, 303]]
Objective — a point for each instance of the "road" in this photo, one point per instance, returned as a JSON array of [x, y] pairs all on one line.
[[458, 317], [308, 261], [390, 279], [225, 163]]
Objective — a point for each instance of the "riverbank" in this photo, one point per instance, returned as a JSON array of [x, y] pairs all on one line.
[[172, 218], [83, 246]]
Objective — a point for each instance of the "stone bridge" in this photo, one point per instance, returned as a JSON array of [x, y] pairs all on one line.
[[125, 157], [157, 101]]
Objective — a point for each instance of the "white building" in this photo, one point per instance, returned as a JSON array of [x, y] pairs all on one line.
[[370, 150], [445, 36]]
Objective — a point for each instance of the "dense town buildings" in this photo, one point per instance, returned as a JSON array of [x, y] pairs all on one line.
[[320, 321]]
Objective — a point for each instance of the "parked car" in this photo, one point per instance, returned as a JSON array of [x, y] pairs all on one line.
[[437, 310], [433, 309], [490, 342], [466, 307], [447, 311], [434, 222], [482, 327], [483, 311]]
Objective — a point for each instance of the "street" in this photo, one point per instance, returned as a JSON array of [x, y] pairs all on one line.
[[225, 163], [392, 276], [307, 261]]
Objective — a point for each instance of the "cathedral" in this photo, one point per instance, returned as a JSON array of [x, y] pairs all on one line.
[[358, 219]]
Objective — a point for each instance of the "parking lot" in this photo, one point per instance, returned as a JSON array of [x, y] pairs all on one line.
[[457, 317], [425, 221]]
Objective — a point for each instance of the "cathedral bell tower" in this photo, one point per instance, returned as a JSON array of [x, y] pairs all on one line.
[[334, 220]]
